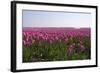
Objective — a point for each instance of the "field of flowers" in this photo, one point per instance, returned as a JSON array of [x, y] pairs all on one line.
[[56, 44]]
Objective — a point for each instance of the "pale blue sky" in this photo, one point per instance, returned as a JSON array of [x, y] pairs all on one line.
[[56, 19]]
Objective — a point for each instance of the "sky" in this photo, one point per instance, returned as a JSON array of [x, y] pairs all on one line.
[[32, 18]]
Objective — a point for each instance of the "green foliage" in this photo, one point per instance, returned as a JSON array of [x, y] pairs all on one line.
[[26, 55], [54, 52]]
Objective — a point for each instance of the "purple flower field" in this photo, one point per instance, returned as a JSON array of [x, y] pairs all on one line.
[[56, 44]]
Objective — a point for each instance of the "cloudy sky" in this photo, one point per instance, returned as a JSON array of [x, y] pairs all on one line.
[[56, 19]]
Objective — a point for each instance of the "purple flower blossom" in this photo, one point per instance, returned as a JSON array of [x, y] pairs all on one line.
[[52, 37]]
